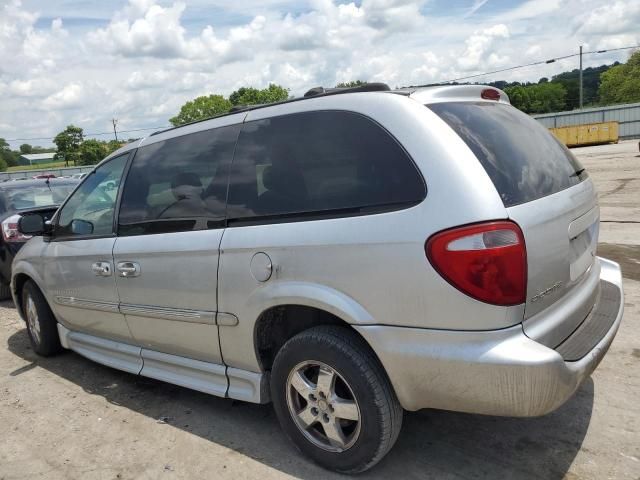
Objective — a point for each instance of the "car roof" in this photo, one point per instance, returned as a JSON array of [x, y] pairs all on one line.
[[424, 94]]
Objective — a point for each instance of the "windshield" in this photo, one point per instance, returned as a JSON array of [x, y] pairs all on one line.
[[522, 158], [17, 199]]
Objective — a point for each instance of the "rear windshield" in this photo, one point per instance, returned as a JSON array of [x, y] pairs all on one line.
[[524, 160], [16, 199]]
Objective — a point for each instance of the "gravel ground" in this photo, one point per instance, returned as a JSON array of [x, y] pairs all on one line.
[[68, 418]]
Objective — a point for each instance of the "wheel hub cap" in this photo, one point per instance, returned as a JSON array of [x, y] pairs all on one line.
[[323, 406], [32, 319]]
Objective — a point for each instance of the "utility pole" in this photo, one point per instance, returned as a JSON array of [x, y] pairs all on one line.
[[115, 121], [580, 77]]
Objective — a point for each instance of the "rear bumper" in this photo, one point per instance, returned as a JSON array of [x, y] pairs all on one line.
[[500, 372]]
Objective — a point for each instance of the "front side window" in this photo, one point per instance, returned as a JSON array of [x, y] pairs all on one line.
[[326, 162], [179, 184], [90, 210]]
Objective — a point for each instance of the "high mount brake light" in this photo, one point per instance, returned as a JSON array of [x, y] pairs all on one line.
[[490, 94], [486, 261]]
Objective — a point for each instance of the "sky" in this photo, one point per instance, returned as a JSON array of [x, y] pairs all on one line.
[[85, 62]]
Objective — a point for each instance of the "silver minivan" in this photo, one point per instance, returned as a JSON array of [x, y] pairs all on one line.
[[347, 255]]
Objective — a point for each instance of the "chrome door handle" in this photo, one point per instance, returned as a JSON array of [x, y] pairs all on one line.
[[128, 269], [102, 269]]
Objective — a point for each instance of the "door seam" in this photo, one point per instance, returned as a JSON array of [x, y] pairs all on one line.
[[226, 367], [115, 283]]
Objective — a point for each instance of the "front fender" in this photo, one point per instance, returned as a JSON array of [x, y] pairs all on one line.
[[28, 262], [20, 268]]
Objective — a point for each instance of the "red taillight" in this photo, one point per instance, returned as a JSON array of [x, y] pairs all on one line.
[[490, 94], [10, 231], [486, 261]]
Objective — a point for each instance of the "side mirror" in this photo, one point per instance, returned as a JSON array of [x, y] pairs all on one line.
[[81, 227], [31, 224]]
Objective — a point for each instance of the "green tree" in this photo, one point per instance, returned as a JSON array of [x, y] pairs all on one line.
[[519, 97], [200, 108], [92, 152], [253, 96], [5, 153], [68, 142], [538, 97], [25, 148], [353, 83], [621, 84], [590, 84], [113, 145], [547, 97]]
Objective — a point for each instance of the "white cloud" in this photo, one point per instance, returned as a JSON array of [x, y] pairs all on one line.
[[72, 95], [157, 33], [33, 87], [617, 17], [479, 44], [25, 49], [618, 41], [392, 15]]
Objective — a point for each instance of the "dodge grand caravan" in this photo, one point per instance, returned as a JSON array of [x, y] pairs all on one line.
[[346, 255]]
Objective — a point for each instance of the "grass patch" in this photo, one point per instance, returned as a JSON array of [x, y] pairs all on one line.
[[42, 166]]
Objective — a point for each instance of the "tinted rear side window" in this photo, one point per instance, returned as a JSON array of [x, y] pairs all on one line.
[[178, 184], [323, 162], [524, 160]]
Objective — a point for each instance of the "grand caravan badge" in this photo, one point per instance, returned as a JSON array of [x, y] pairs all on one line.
[[551, 289]]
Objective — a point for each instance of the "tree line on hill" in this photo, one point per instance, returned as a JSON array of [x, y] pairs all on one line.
[[604, 85]]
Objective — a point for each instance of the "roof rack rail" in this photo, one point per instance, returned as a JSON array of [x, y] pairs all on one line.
[[245, 107], [314, 92], [367, 87]]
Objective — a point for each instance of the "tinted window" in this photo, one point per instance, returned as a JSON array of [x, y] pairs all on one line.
[[524, 160], [89, 211], [178, 184], [320, 162]]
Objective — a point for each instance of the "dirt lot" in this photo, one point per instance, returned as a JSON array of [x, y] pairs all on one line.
[[66, 417]]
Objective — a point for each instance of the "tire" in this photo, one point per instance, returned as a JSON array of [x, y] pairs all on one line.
[[5, 291], [41, 324], [360, 390]]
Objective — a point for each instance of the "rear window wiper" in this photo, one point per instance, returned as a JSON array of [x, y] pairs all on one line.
[[577, 173]]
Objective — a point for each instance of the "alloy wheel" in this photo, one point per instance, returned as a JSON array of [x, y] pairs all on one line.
[[323, 406]]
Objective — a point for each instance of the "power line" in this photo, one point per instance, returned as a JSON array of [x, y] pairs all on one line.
[[540, 62], [87, 134]]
